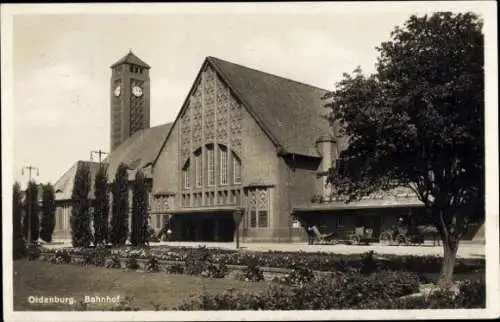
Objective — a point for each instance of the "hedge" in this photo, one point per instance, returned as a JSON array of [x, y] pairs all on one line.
[[337, 291]]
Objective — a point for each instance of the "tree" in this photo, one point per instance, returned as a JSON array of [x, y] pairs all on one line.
[[31, 215], [19, 246], [139, 235], [48, 213], [119, 219], [418, 122], [81, 235], [101, 207]]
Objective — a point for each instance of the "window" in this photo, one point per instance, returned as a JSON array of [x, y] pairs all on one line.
[[157, 223], [236, 169], [186, 175], [211, 165], [258, 203], [199, 173], [223, 165], [253, 219], [263, 219]]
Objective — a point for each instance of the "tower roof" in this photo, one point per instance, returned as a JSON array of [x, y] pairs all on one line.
[[131, 58]]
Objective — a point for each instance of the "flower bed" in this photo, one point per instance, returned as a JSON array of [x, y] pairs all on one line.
[[337, 291], [289, 260]]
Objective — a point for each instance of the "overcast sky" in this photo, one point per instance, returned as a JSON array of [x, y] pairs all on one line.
[[61, 65]]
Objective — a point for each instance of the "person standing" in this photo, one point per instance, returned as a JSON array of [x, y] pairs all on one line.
[[310, 235]]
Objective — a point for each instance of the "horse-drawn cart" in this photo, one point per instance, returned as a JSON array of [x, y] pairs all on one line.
[[406, 236], [360, 235]]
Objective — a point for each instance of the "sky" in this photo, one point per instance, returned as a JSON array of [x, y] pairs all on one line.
[[61, 65]]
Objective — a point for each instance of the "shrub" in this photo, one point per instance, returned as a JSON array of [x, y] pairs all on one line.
[[131, 263], [197, 261], [338, 291], [99, 259], [214, 270], [62, 257], [152, 265], [32, 252], [174, 268], [113, 262], [253, 273], [368, 263], [471, 295], [299, 276]]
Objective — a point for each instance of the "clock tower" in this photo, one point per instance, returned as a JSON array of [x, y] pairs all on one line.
[[130, 98]]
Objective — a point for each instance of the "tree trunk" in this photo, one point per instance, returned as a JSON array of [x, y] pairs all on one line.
[[450, 246]]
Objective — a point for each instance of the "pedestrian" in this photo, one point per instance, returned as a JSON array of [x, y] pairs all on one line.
[[310, 235]]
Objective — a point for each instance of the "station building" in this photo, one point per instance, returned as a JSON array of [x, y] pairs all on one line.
[[244, 155]]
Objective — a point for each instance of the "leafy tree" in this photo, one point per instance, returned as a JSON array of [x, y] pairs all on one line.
[[119, 219], [418, 122], [19, 246], [48, 213], [31, 213], [81, 235], [139, 235], [101, 207]]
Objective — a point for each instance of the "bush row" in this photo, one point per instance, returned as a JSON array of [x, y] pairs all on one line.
[[336, 291], [471, 295], [290, 260]]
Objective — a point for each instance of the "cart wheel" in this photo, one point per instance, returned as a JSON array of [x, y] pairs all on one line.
[[401, 240], [385, 239]]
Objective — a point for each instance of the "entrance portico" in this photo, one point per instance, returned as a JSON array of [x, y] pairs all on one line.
[[214, 224]]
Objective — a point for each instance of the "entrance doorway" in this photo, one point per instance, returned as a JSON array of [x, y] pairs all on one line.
[[217, 227]]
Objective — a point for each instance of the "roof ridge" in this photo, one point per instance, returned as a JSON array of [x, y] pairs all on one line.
[[267, 73], [131, 56]]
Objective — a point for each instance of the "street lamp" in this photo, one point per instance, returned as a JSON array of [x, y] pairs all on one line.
[[99, 152], [30, 169]]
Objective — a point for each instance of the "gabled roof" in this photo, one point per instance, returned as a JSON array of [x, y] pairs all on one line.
[[63, 187], [289, 112], [139, 150], [131, 58]]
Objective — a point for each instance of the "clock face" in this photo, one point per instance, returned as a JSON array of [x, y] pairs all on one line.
[[117, 90], [137, 91]]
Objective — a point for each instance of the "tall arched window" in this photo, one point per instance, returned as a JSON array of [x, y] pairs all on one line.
[[185, 175], [198, 169], [223, 160], [236, 169], [210, 165]]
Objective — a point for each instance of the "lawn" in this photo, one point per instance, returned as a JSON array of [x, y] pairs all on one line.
[[38, 278]]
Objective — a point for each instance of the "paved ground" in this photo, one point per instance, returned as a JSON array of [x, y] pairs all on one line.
[[466, 250]]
